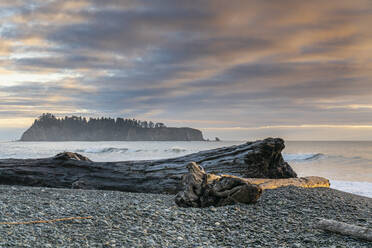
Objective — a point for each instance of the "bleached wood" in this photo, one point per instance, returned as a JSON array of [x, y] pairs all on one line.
[[345, 229]]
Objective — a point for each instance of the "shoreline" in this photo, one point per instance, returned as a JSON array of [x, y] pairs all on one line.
[[353, 187], [282, 217]]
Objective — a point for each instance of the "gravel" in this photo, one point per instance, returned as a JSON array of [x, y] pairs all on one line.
[[283, 217]]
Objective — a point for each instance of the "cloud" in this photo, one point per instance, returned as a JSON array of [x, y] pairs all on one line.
[[264, 63], [4, 48]]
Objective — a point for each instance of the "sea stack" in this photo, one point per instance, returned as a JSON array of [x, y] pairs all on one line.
[[49, 128]]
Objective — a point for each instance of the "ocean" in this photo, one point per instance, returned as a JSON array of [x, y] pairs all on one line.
[[348, 164]]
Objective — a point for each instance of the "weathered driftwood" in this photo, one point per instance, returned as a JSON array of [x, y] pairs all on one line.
[[345, 229], [303, 182], [202, 189], [260, 159], [45, 221]]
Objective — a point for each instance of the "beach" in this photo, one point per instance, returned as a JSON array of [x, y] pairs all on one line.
[[284, 217]]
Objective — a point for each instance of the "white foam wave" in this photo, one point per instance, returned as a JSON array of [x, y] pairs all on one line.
[[357, 188], [310, 157], [124, 150], [298, 157], [103, 150]]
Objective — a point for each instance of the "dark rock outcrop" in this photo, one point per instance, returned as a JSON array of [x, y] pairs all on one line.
[[260, 159], [50, 128]]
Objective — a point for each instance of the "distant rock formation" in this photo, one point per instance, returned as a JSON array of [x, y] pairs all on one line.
[[49, 128]]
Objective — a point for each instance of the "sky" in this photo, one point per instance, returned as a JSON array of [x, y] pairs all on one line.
[[239, 70]]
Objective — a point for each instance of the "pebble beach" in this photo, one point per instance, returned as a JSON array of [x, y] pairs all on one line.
[[284, 217]]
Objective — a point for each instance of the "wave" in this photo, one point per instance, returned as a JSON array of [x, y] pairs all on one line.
[[124, 150], [303, 156], [103, 150], [171, 150], [176, 150], [308, 157]]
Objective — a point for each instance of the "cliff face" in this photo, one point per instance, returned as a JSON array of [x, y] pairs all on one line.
[[133, 134], [165, 133], [52, 129]]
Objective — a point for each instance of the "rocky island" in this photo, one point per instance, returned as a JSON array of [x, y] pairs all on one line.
[[49, 128]]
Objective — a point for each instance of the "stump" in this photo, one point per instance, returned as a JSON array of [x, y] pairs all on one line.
[[204, 190]]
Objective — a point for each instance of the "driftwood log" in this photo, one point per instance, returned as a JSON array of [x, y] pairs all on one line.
[[260, 159], [345, 229], [303, 182], [203, 190]]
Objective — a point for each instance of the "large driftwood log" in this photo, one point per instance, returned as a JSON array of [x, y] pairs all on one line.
[[261, 159], [345, 229], [202, 189]]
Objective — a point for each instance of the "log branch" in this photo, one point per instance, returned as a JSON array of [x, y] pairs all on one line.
[[303, 182], [345, 229], [45, 221]]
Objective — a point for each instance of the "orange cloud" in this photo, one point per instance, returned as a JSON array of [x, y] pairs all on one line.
[[5, 47]]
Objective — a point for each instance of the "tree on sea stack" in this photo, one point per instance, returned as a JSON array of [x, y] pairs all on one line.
[[50, 128]]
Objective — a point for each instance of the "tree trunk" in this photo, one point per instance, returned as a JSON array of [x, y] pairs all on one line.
[[260, 159], [345, 229]]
